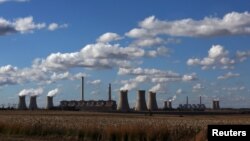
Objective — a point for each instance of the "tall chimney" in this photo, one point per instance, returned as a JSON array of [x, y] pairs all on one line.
[[187, 100], [33, 104], [82, 88], [152, 104], [49, 102], [200, 100], [141, 102], [110, 92], [123, 105], [22, 103]]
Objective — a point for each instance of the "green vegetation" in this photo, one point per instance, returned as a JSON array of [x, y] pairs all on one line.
[[61, 125]]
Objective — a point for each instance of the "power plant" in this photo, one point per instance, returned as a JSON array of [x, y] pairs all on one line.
[[216, 104], [141, 101], [89, 105], [152, 104], [22, 103], [167, 105], [49, 103], [109, 105], [192, 107], [123, 105], [33, 104]]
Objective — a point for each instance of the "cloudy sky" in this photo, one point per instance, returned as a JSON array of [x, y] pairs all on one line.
[[176, 48]]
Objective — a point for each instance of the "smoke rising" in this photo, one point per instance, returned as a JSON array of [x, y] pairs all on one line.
[[53, 92], [31, 92]]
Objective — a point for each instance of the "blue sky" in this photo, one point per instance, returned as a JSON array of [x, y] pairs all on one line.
[[176, 48]]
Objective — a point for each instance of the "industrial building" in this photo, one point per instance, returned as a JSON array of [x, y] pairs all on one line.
[[192, 107], [89, 105]]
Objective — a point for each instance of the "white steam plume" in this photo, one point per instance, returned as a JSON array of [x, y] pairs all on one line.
[[53, 92], [31, 92]]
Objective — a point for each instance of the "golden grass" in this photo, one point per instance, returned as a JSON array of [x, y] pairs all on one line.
[[54, 125]]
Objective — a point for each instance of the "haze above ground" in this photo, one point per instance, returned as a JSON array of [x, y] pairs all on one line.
[[176, 48]]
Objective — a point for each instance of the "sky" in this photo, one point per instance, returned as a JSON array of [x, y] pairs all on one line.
[[176, 48]]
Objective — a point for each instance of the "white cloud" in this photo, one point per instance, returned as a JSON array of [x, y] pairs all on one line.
[[25, 25], [189, 77], [55, 26], [146, 71], [197, 86], [4, 1], [108, 37], [242, 55], [53, 92], [97, 56], [146, 75], [148, 42], [217, 57], [236, 88], [233, 23], [95, 82], [228, 75], [31, 92]]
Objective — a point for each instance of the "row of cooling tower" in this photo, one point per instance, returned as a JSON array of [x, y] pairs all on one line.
[[141, 105], [33, 103]]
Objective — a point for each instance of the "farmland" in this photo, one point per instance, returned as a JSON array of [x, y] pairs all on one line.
[[65, 125]]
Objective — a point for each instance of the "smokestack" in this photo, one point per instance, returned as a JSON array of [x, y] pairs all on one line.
[[187, 100], [200, 100], [110, 92], [152, 104], [82, 88], [49, 102], [141, 102], [22, 103], [168, 104], [33, 105], [123, 105]]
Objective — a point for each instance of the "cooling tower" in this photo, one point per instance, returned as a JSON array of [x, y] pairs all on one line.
[[216, 104], [49, 102], [152, 104], [141, 102], [33, 105], [168, 104], [22, 103], [123, 101]]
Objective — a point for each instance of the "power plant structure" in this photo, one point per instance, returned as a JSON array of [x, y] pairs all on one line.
[[192, 107], [110, 105], [33, 104], [123, 105], [167, 105], [152, 104], [50, 104], [22, 103], [141, 101], [216, 104], [89, 105]]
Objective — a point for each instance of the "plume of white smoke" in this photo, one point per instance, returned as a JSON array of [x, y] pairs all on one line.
[[31, 92], [53, 92], [173, 98]]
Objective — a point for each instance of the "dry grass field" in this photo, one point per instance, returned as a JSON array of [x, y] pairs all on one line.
[[70, 126]]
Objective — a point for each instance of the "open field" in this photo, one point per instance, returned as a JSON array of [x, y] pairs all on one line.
[[65, 125]]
